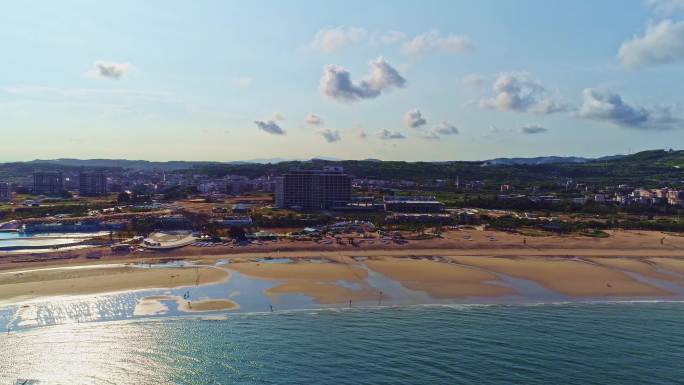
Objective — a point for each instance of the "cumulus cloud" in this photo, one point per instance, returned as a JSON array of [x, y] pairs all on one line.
[[473, 80], [662, 43], [414, 118], [337, 84], [610, 107], [433, 42], [533, 129], [329, 135], [439, 129], [519, 92], [386, 134], [330, 40], [243, 81], [313, 120], [444, 128], [109, 70], [270, 127], [666, 7]]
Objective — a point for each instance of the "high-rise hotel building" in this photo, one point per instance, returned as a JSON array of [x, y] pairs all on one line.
[[313, 189]]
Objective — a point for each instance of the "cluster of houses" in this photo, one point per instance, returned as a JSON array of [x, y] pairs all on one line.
[[623, 195]]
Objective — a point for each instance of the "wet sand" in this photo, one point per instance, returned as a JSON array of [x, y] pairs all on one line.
[[572, 277], [153, 305], [319, 280], [207, 305], [645, 266], [326, 293], [439, 279], [30, 284]]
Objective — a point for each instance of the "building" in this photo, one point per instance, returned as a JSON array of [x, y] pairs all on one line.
[[675, 198], [313, 189], [92, 184], [412, 204], [5, 192], [235, 221], [49, 183]]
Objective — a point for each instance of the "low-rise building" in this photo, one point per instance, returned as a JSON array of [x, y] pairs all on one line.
[[675, 198], [412, 204]]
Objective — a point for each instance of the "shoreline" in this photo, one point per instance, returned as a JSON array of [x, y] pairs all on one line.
[[335, 279], [252, 279]]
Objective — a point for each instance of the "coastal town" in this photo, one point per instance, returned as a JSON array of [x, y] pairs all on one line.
[[128, 210]]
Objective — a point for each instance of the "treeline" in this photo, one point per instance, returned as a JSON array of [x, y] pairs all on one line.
[[650, 170]]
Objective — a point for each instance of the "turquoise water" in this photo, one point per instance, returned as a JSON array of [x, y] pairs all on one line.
[[608, 343]]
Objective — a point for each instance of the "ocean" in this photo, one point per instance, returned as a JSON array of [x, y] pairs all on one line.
[[576, 343]]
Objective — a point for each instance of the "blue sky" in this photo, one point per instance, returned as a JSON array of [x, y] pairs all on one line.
[[406, 80]]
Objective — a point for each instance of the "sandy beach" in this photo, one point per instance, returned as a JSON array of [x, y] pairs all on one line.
[[314, 279], [620, 243], [439, 279], [572, 277], [39, 283], [577, 266]]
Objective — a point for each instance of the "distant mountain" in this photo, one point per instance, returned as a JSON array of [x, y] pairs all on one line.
[[536, 160], [122, 163], [167, 166], [660, 158], [547, 160]]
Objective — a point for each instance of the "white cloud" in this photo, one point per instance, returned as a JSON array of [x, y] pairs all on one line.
[[533, 129], [666, 7], [329, 135], [473, 81], [439, 129], [330, 40], [662, 43], [433, 42], [313, 120], [110, 70], [386, 134], [517, 91], [337, 84], [445, 128], [269, 127], [414, 118], [387, 38], [611, 108], [243, 81]]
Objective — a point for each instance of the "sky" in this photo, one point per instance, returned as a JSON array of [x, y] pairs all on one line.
[[392, 80]]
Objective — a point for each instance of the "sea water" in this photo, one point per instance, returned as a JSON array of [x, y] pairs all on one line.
[[578, 343]]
